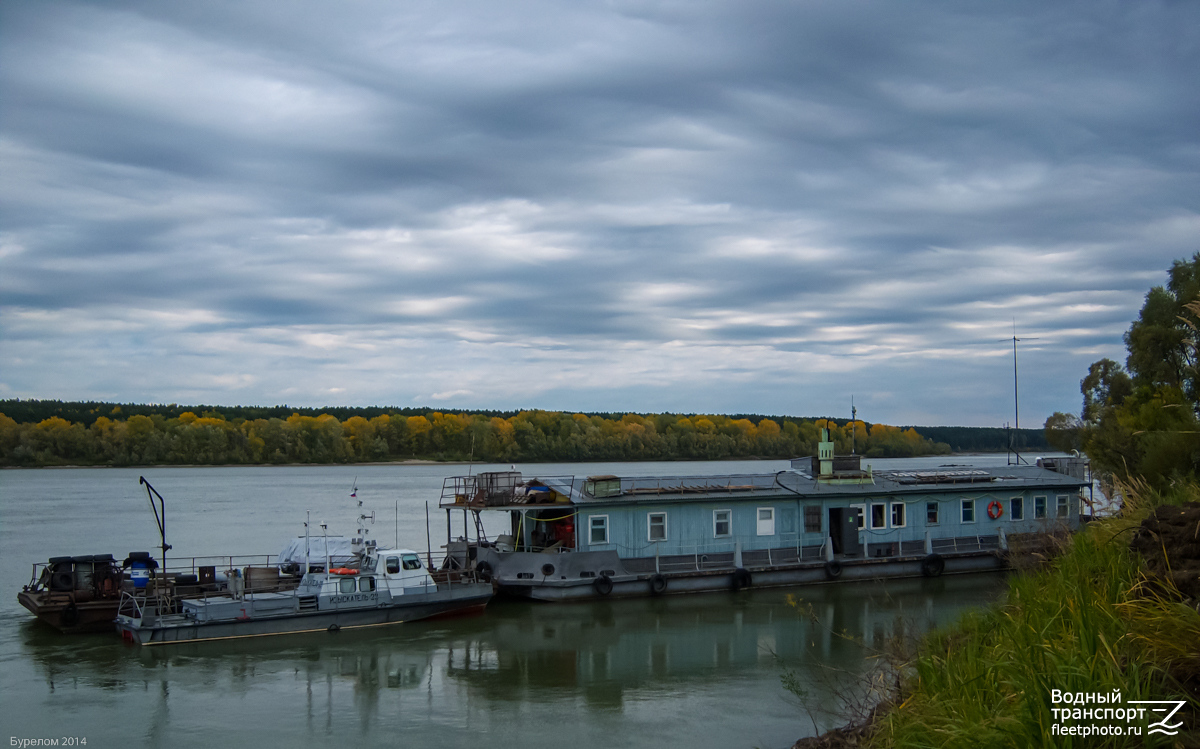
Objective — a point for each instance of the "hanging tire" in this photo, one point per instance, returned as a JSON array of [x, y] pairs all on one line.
[[658, 585], [62, 581], [333, 627], [547, 570], [741, 579], [833, 569], [602, 585], [932, 565], [483, 570], [70, 615]]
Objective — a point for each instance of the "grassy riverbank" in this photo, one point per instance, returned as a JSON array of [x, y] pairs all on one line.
[[1090, 621]]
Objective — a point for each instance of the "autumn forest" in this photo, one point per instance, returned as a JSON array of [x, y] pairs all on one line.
[[116, 434]]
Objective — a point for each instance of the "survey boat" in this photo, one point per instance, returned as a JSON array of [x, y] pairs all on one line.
[[825, 519], [384, 586]]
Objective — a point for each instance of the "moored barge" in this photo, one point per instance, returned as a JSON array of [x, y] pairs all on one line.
[[823, 520], [74, 594]]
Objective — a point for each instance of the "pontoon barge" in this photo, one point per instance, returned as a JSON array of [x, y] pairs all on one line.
[[824, 519]]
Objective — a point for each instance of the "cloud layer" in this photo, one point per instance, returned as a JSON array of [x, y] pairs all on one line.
[[590, 206]]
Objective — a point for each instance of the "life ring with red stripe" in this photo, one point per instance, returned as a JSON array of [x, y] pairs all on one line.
[[995, 509]]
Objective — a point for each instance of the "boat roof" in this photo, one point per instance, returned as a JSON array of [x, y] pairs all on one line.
[[796, 482]]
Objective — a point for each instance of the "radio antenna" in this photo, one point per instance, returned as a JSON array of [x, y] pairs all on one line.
[[1016, 397]]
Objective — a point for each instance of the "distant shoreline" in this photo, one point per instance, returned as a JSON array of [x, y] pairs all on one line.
[[428, 462]]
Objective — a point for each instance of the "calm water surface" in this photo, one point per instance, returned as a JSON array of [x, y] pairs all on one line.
[[694, 671]]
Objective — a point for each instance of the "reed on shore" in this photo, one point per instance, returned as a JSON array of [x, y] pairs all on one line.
[[1090, 621]]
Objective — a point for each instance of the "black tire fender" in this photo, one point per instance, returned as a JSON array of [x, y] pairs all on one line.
[[70, 615], [547, 569], [742, 579], [484, 570], [62, 581], [933, 565], [833, 569], [603, 585], [658, 585]]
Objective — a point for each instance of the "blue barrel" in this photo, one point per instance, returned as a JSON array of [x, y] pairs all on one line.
[[139, 572], [139, 564]]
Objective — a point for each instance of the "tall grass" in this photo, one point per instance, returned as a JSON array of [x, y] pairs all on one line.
[[1089, 622]]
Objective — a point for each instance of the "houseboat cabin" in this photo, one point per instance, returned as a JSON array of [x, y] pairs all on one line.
[[826, 518]]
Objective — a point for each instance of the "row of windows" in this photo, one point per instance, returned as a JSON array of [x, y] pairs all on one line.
[[656, 525], [880, 518], [364, 585], [410, 562], [1016, 509]]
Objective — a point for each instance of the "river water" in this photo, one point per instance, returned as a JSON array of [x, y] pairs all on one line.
[[688, 671]]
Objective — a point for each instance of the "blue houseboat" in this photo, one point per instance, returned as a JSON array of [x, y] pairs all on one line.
[[824, 519]]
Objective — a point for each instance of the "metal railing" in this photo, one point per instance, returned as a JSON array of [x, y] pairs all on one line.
[[957, 544], [505, 488], [192, 565], [483, 491], [726, 544]]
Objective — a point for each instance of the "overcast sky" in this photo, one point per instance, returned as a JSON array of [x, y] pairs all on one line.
[[758, 207]]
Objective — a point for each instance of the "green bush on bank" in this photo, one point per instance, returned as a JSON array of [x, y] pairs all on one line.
[[1089, 622]]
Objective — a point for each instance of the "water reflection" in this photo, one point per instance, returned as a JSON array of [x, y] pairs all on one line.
[[696, 671], [567, 663]]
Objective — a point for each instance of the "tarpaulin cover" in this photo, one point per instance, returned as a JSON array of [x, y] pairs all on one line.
[[339, 551]]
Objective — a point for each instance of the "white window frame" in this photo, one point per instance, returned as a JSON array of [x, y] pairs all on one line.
[[592, 529], [937, 513], [650, 526], [1013, 503], [903, 515], [883, 515], [962, 508], [758, 525], [728, 523], [1062, 506], [862, 515], [1040, 514]]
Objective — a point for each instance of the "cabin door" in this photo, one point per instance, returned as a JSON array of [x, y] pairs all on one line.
[[835, 525], [843, 529]]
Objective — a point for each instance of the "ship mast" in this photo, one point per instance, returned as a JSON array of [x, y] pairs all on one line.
[[1016, 401]]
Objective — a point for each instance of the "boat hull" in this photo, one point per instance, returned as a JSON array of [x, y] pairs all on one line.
[[711, 581], [176, 628], [67, 616]]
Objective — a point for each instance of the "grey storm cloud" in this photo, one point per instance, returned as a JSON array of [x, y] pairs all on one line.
[[732, 207]]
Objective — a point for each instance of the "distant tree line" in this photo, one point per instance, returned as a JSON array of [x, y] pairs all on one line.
[[1142, 420], [109, 434], [987, 439]]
